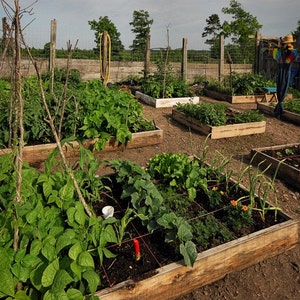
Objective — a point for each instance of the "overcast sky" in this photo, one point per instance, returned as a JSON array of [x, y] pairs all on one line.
[[183, 19]]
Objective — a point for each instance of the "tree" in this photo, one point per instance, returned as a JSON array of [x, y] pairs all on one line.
[[213, 28], [141, 28], [242, 26], [104, 24]]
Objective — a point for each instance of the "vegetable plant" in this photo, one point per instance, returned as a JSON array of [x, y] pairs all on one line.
[[91, 111], [218, 114]]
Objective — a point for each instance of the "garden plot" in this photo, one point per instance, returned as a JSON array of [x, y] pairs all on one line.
[[218, 121], [226, 241]]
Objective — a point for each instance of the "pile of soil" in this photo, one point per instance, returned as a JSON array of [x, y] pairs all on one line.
[[274, 278]]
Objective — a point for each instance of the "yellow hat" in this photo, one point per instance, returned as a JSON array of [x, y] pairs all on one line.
[[288, 39]]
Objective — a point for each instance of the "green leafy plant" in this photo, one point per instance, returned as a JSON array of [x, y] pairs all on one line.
[[165, 83], [178, 171], [218, 114], [147, 201], [109, 113], [91, 111], [208, 231], [240, 84]]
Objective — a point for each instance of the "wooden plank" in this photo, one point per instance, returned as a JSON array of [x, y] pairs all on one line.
[[218, 132], [165, 102], [287, 173], [38, 153], [175, 279]]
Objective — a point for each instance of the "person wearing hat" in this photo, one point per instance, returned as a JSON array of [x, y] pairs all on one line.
[[285, 55]]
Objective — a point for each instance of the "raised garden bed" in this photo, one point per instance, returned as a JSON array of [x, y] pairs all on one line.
[[219, 132], [164, 102], [229, 250], [286, 116], [239, 99], [175, 279], [284, 158], [37, 153], [216, 225]]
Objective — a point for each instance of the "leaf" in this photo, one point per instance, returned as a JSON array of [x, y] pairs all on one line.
[[80, 215], [93, 280], [74, 294], [61, 280], [49, 295], [35, 247], [21, 273], [76, 269], [67, 191], [85, 259], [75, 250], [189, 253], [48, 251], [7, 286], [47, 188], [184, 232], [49, 273], [21, 295], [109, 234], [64, 240]]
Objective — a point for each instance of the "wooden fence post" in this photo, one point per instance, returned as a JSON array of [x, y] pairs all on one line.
[[52, 51], [184, 60], [147, 57], [221, 60]]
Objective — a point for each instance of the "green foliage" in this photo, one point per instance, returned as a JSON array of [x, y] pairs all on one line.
[[109, 112], [238, 215], [213, 114], [178, 172], [59, 245], [147, 201], [141, 24], [248, 116], [99, 112], [219, 86], [164, 83], [241, 27], [60, 76], [217, 114], [240, 84], [104, 24], [208, 231], [293, 106], [249, 83]]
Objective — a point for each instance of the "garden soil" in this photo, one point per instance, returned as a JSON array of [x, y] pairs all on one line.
[[276, 278]]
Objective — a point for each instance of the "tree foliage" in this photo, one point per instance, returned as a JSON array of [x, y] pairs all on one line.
[[104, 24], [239, 29], [242, 25], [141, 28], [213, 28]]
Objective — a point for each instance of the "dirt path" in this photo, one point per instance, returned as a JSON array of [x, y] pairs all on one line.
[[277, 278]]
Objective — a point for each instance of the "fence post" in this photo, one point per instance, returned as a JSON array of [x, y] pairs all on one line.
[[147, 57], [184, 60], [257, 62], [221, 60], [52, 51]]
